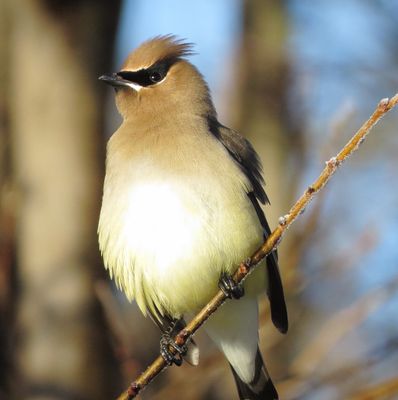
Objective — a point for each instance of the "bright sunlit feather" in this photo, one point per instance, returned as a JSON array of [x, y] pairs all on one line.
[[157, 218]]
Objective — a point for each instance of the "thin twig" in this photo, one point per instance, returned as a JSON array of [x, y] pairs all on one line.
[[269, 245]]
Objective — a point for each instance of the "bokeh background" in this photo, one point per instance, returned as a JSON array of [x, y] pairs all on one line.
[[297, 77]]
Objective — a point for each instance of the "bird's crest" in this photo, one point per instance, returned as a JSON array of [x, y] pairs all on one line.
[[167, 47]]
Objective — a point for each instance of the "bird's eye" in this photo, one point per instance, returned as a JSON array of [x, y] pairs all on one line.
[[146, 76], [155, 76]]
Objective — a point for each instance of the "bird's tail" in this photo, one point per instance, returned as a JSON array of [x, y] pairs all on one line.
[[261, 387]]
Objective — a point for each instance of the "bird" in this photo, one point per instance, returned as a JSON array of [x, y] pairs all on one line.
[[181, 209]]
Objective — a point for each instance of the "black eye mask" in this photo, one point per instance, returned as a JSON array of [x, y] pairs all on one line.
[[148, 76]]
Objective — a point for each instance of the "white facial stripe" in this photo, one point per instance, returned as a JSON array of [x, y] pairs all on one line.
[[158, 83], [134, 86], [141, 67], [138, 87]]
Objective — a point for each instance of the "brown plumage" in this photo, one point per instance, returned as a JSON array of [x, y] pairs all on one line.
[[157, 49], [180, 207]]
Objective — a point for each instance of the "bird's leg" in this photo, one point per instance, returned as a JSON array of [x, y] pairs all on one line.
[[167, 341], [230, 288]]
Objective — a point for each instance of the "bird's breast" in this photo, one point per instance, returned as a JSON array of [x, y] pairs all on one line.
[[167, 232], [161, 222]]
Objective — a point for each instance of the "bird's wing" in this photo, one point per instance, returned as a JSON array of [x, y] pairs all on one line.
[[275, 288], [244, 154], [246, 157]]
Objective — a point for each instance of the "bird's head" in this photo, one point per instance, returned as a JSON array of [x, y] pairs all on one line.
[[156, 79]]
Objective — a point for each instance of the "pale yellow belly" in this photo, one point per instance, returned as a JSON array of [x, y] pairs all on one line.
[[172, 222], [167, 245]]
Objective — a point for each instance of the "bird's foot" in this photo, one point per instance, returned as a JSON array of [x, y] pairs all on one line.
[[170, 357], [230, 288]]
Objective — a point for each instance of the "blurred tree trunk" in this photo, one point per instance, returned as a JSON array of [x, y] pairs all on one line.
[[261, 113], [6, 213], [261, 97], [56, 51]]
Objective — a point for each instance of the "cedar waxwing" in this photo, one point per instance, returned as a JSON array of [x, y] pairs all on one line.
[[181, 210]]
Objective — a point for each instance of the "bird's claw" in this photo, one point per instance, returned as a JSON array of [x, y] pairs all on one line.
[[166, 342], [230, 288]]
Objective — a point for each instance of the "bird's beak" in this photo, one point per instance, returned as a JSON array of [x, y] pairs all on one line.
[[114, 80]]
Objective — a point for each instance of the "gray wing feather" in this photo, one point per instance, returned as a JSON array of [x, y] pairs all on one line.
[[244, 154], [246, 157]]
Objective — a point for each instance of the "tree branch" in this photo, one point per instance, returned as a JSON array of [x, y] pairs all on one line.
[[269, 245]]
